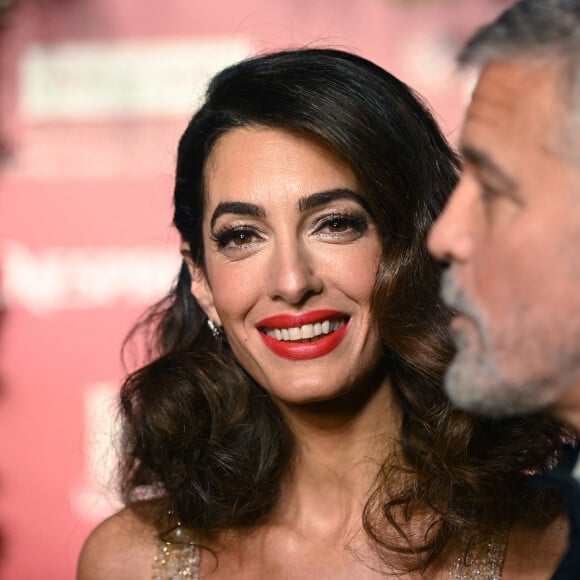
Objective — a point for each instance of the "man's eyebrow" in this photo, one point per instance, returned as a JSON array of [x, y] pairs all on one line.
[[319, 198], [482, 161], [237, 208]]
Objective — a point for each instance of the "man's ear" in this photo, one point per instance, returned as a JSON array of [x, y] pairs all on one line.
[[200, 288]]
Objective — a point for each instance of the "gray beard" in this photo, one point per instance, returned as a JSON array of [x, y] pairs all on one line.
[[478, 386], [475, 380]]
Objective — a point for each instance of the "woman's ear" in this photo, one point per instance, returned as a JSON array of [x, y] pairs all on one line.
[[200, 288]]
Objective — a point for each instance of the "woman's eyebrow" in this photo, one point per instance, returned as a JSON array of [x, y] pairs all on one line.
[[305, 203], [319, 198], [238, 208]]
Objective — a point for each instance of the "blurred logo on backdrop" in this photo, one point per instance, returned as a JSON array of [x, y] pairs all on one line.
[[77, 278], [126, 79]]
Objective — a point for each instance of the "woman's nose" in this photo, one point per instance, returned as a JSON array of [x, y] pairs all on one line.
[[293, 276]]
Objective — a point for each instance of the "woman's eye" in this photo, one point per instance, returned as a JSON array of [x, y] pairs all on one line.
[[338, 225], [241, 238], [344, 224], [237, 237]]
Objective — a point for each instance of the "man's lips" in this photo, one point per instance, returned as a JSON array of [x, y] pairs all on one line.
[[305, 335], [458, 321]]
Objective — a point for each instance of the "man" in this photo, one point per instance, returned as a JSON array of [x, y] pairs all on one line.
[[510, 233]]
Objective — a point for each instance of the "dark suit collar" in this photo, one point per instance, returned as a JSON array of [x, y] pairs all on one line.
[[562, 481]]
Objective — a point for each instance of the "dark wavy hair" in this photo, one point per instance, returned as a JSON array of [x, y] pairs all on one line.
[[199, 431]]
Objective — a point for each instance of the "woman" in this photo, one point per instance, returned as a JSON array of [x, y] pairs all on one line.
[[291, 422]]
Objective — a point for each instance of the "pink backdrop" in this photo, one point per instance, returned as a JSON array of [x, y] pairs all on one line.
[[93, 96]]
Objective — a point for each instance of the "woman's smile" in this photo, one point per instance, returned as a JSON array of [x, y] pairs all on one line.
[[303, 336], [288, 227]]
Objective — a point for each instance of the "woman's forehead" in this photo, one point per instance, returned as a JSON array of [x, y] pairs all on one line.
[[264, 163]]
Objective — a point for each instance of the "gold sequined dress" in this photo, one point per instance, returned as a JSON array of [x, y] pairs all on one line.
[[178, 555], [181, 559]]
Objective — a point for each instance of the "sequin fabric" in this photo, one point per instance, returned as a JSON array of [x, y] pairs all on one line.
[[174, 561], [178, 554], [484, 561]]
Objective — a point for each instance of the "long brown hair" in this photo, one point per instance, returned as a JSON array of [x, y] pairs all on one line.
[[202, 433]]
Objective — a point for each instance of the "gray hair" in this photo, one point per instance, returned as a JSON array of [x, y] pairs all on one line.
[[528, 29], [536, 32]]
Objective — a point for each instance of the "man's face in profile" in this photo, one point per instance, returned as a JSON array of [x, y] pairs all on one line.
[[511, 235]]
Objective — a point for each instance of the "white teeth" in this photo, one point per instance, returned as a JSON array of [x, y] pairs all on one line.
[[295, 333], [306, 331]]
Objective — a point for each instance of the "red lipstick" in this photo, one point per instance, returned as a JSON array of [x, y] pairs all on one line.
[[291, 320], [319, 346]]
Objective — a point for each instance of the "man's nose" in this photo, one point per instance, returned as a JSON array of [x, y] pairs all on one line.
[[451, 236]]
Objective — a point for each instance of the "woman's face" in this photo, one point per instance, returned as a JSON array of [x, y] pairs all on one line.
[[291, 256]]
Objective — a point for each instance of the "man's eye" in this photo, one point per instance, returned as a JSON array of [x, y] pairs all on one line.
[[487, 192]]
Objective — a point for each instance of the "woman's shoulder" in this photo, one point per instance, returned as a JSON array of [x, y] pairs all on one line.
[[534, 551], [122, 547]]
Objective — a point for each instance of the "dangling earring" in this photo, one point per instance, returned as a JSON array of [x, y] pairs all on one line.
[[215, 329]]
